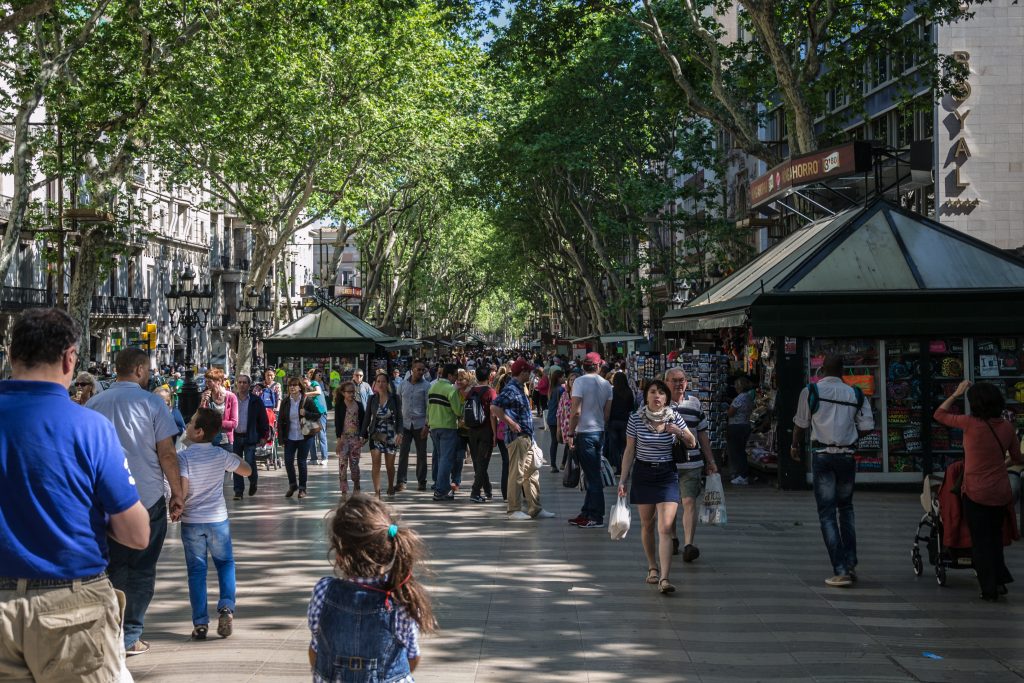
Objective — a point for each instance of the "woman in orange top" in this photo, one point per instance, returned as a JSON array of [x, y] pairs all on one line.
[[986, 488]]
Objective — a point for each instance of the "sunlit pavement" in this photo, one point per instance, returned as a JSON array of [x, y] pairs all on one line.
[[544, 601]]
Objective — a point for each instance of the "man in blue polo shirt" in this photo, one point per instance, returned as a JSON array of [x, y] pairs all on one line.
[[66, 485]]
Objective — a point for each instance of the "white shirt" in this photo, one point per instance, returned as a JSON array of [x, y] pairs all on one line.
[[833, 423]]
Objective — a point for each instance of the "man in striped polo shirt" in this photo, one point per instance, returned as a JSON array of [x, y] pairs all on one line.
[[697, 459]]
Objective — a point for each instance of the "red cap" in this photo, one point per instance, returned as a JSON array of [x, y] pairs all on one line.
[[593, 357], [521, 365]]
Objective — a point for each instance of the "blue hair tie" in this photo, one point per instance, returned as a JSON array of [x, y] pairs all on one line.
[[392, 531]]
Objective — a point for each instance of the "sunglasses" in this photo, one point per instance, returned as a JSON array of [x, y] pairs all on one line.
[[83, 384]]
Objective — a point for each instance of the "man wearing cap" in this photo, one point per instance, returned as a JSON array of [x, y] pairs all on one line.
[[66, 489], [591, 405], [513, 408]]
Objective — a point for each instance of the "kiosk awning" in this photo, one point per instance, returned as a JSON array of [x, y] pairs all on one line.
[[873, 270], [325, 330]]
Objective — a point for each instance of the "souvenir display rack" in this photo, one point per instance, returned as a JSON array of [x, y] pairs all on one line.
[[708, 375], [1000, 360]]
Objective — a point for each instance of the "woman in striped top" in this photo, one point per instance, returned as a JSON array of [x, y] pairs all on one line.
[[647, 464]]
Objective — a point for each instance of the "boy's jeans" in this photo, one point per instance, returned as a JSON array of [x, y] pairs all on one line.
[[834, 475], [215, 538]]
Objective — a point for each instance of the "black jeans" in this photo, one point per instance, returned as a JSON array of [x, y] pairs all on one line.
[[553, 448], [615, 437], [736, 443], [986, 525], [297, 450], [408, 436], [481, 442], [133, 572], [247, 453]]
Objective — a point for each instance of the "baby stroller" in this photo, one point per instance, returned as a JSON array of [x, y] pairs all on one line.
[[267, 453], [931, 528]]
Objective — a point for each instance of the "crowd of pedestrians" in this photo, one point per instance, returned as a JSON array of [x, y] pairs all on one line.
[[92, 481]]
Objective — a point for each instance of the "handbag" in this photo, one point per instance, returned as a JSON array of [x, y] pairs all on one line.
[[538, 457], [607, 473], [571, 474], [310, 427]]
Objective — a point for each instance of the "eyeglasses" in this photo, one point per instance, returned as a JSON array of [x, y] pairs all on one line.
[[83, 384], [677, 381]]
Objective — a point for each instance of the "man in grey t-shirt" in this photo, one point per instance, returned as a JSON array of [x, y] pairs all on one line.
[[591, 405], [146, 431]]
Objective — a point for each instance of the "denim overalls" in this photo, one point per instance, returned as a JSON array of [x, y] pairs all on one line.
[[356, 642]]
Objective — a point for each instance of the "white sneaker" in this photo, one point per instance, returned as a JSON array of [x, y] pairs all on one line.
[[519, 517], [740, 481], [544, 514]]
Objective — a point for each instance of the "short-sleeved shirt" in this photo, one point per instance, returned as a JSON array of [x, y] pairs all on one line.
[[487, 396], [834, 424], [407, 631], [697, 421], [204, 465], [513, 401], [318, 399], [62, 472], [141, 420], [652, 446], [595, 392], [744, 405]]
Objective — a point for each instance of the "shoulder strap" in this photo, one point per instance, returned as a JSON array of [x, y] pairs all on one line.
[[812, 397], [995, 436]]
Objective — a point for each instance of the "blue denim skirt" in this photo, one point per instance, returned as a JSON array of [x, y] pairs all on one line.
[[654, 482]]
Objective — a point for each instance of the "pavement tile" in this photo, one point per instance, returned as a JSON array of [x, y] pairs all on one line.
[[542, 601]]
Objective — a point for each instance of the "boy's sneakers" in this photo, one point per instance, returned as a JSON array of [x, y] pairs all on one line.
[[519, 516], [739, 481], [590, 524], [139, 647], [224, 624], [839, 581], [199, 632]]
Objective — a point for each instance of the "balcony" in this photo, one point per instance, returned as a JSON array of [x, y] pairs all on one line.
[[224, 320], [20, 298], [139, 177], [7, 131], [220, 263], [241, 264], [120, 306], [5, 207]]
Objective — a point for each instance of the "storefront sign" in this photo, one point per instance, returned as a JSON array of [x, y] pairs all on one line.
[[834, 162], [344, 291], [961, 152]]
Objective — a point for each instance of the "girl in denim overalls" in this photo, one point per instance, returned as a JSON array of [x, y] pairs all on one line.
[[366, 625]]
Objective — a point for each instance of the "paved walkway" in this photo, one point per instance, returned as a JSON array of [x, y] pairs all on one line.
[[543, 601]]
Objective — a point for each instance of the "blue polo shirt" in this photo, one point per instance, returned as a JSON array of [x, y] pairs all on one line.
[[62, 471]]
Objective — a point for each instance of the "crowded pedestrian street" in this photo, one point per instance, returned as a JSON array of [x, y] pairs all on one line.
[[546, 601]]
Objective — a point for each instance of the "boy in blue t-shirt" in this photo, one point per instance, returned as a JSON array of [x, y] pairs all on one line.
[[204, 522]]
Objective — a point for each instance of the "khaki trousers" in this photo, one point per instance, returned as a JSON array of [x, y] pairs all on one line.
[[52, 635], [521, 472]]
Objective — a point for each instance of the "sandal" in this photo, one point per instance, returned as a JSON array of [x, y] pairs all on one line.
[[652, 576], [665, 586]]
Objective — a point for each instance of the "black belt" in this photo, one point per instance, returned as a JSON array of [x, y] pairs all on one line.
[[9, 584], [818, 444], [660, 463]]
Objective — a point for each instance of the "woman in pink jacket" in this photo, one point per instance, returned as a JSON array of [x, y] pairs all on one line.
[[224, 402]]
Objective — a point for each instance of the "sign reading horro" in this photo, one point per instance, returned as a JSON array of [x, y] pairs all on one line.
[[834, 162]]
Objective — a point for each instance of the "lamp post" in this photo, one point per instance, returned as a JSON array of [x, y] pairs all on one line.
[[189, 308], [255, 321]]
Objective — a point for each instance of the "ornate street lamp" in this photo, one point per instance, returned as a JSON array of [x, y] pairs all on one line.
[[189, 308], [255, 320]]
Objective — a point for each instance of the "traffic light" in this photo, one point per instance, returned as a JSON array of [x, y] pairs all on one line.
[[151, 335]]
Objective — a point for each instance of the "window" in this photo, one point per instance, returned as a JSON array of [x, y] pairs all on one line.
[[879, 71], [880, 129]]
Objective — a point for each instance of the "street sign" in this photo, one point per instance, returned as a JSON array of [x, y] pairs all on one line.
[[161, 346]]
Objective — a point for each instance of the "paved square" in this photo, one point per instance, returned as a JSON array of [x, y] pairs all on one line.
[[544, 601]]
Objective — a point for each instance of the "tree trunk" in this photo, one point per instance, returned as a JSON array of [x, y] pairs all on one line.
[[83, 284], [21, 166]]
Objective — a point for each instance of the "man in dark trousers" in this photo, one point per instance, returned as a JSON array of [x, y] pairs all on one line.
[[836, 414], [252, 429]]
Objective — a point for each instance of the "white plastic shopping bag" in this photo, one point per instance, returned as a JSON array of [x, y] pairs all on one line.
[[712, 505], [618, 522], [538, 457]]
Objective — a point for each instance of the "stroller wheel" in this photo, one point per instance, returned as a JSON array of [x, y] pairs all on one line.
[[915, 557], [940, 574]]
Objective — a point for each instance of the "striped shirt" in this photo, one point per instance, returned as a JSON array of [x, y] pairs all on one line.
[[204, 465], [697, 421], [407, 631], [652, 446]]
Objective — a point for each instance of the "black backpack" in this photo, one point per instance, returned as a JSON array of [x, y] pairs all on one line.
[[815, 401], [473, 414]]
